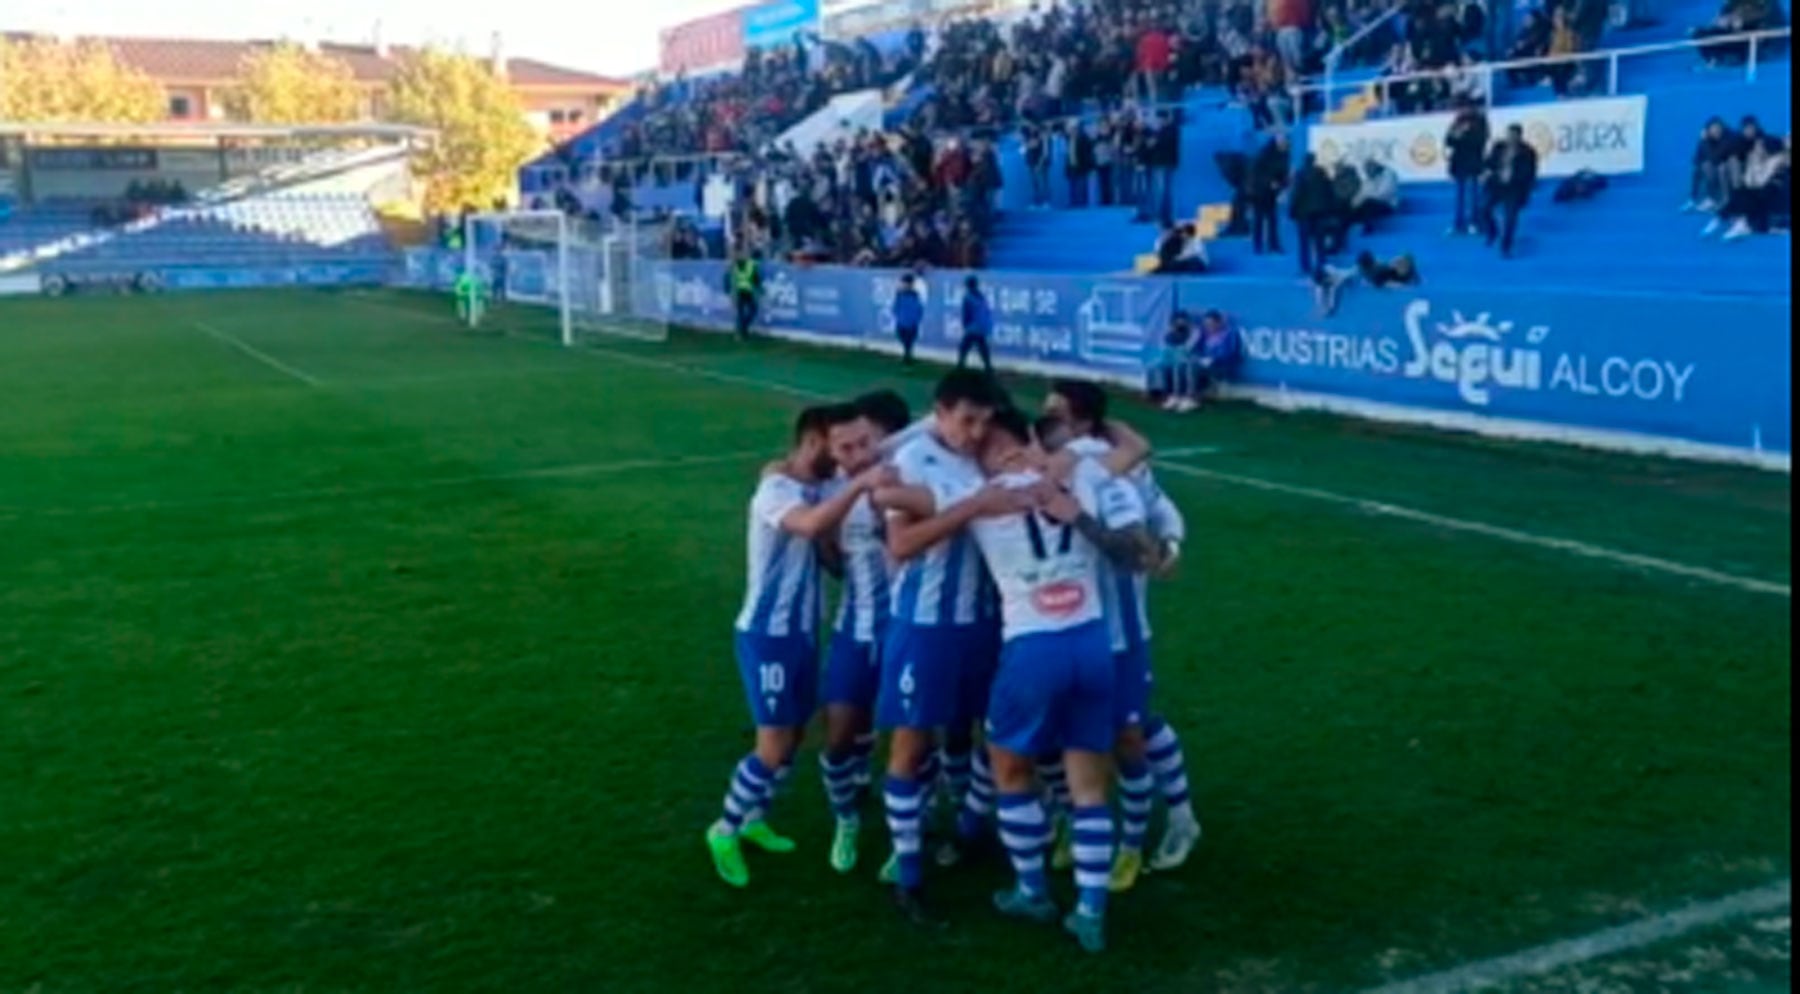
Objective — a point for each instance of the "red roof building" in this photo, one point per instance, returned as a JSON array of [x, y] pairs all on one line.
[[196, 74]]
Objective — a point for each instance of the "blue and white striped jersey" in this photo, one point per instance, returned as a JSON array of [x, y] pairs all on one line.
[[1051, 579], [781, 597], [942, 585], [1127, 594], [863, 607]]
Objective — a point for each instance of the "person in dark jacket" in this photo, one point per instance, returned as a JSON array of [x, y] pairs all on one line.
[[1078, 164], [978, 324], [1346, 187], [909, 315], [1037, 163], [1511, 176], [1712, 176], [1310, 207], [1467, 147], [1268, 178]]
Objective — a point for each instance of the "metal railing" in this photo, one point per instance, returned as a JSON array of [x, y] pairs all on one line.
[[1755, 44], [1335, 57]]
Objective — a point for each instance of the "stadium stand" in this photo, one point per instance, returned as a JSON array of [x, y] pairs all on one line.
[[1629, 235]]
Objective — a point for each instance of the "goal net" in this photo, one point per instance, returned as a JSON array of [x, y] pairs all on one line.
[[546, 272]]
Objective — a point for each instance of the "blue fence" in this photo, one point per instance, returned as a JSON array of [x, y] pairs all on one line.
[[1692, 371]]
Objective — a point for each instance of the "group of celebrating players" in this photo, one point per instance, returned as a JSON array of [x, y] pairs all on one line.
[[994, 574]]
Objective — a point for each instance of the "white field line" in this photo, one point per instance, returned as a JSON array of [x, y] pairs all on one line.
[[1631, 560], [384, 489], [1582, 550], [1608, 942], [259, 355]]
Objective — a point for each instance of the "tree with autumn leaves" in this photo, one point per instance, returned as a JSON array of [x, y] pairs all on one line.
[[291, 84], [482, 135], [43, 80]]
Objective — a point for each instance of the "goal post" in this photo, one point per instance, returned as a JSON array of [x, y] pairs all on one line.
[[582, 271]]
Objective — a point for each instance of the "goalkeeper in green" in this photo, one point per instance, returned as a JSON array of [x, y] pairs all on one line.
[[471, 296]]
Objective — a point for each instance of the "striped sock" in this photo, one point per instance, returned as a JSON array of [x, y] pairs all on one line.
[[1136, 790], [957, 766], [1025, 830], [1093, 857], [864, 753], [778, 782], [930, 768], [1170, 767], [1056, 783], [905, 800], [978, 804], [750, 784], [840, 782]]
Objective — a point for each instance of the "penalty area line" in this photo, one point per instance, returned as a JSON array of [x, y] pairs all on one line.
[[1583, 550], [253, 352], [1555, 956]]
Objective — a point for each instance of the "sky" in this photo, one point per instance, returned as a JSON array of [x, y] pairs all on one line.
[[616, 37]]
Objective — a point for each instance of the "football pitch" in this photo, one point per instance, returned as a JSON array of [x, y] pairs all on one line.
[[342, 649]]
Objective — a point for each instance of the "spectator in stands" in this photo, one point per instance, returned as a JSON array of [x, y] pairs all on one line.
[[1766, 191], [1180, 252], [1106, 163], [1162, 159], [1511, 176], [1568, 76], [1310, 207], [1037, 163], [909, 315], [1738, 17], [1268, 179], [1713, 174], [1078, 162], [1155, 56], [1533, 42], [977, 325], [1467, 144], [1346, 187], [1377, 198], [966, 248]]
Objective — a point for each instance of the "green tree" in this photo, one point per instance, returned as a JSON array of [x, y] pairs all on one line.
[[42, 79], [483, 137], [287, 84]]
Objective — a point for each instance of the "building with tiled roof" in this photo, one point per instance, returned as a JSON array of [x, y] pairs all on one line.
[[197, 73]]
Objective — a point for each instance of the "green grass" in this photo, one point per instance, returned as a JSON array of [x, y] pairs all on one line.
[[327, 688]]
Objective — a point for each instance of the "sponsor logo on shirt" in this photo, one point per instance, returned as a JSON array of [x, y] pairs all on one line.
[[1060, 599]]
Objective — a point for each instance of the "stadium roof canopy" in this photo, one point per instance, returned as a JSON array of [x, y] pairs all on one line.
[[77, 129]]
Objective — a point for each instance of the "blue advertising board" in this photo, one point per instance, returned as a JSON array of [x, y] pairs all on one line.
[[779, 22], [1645, 364], [1092, 323], [1590, 367]]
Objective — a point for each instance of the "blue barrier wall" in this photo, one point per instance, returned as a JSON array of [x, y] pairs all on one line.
[[1691, 375]]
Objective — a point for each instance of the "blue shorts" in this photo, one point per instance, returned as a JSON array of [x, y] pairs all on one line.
[[1054, 692], [852, 672], [977, 680], [922, 673], [1131, 686], [781, 678]]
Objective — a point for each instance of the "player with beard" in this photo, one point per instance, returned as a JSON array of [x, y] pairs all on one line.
[[777, 641]]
